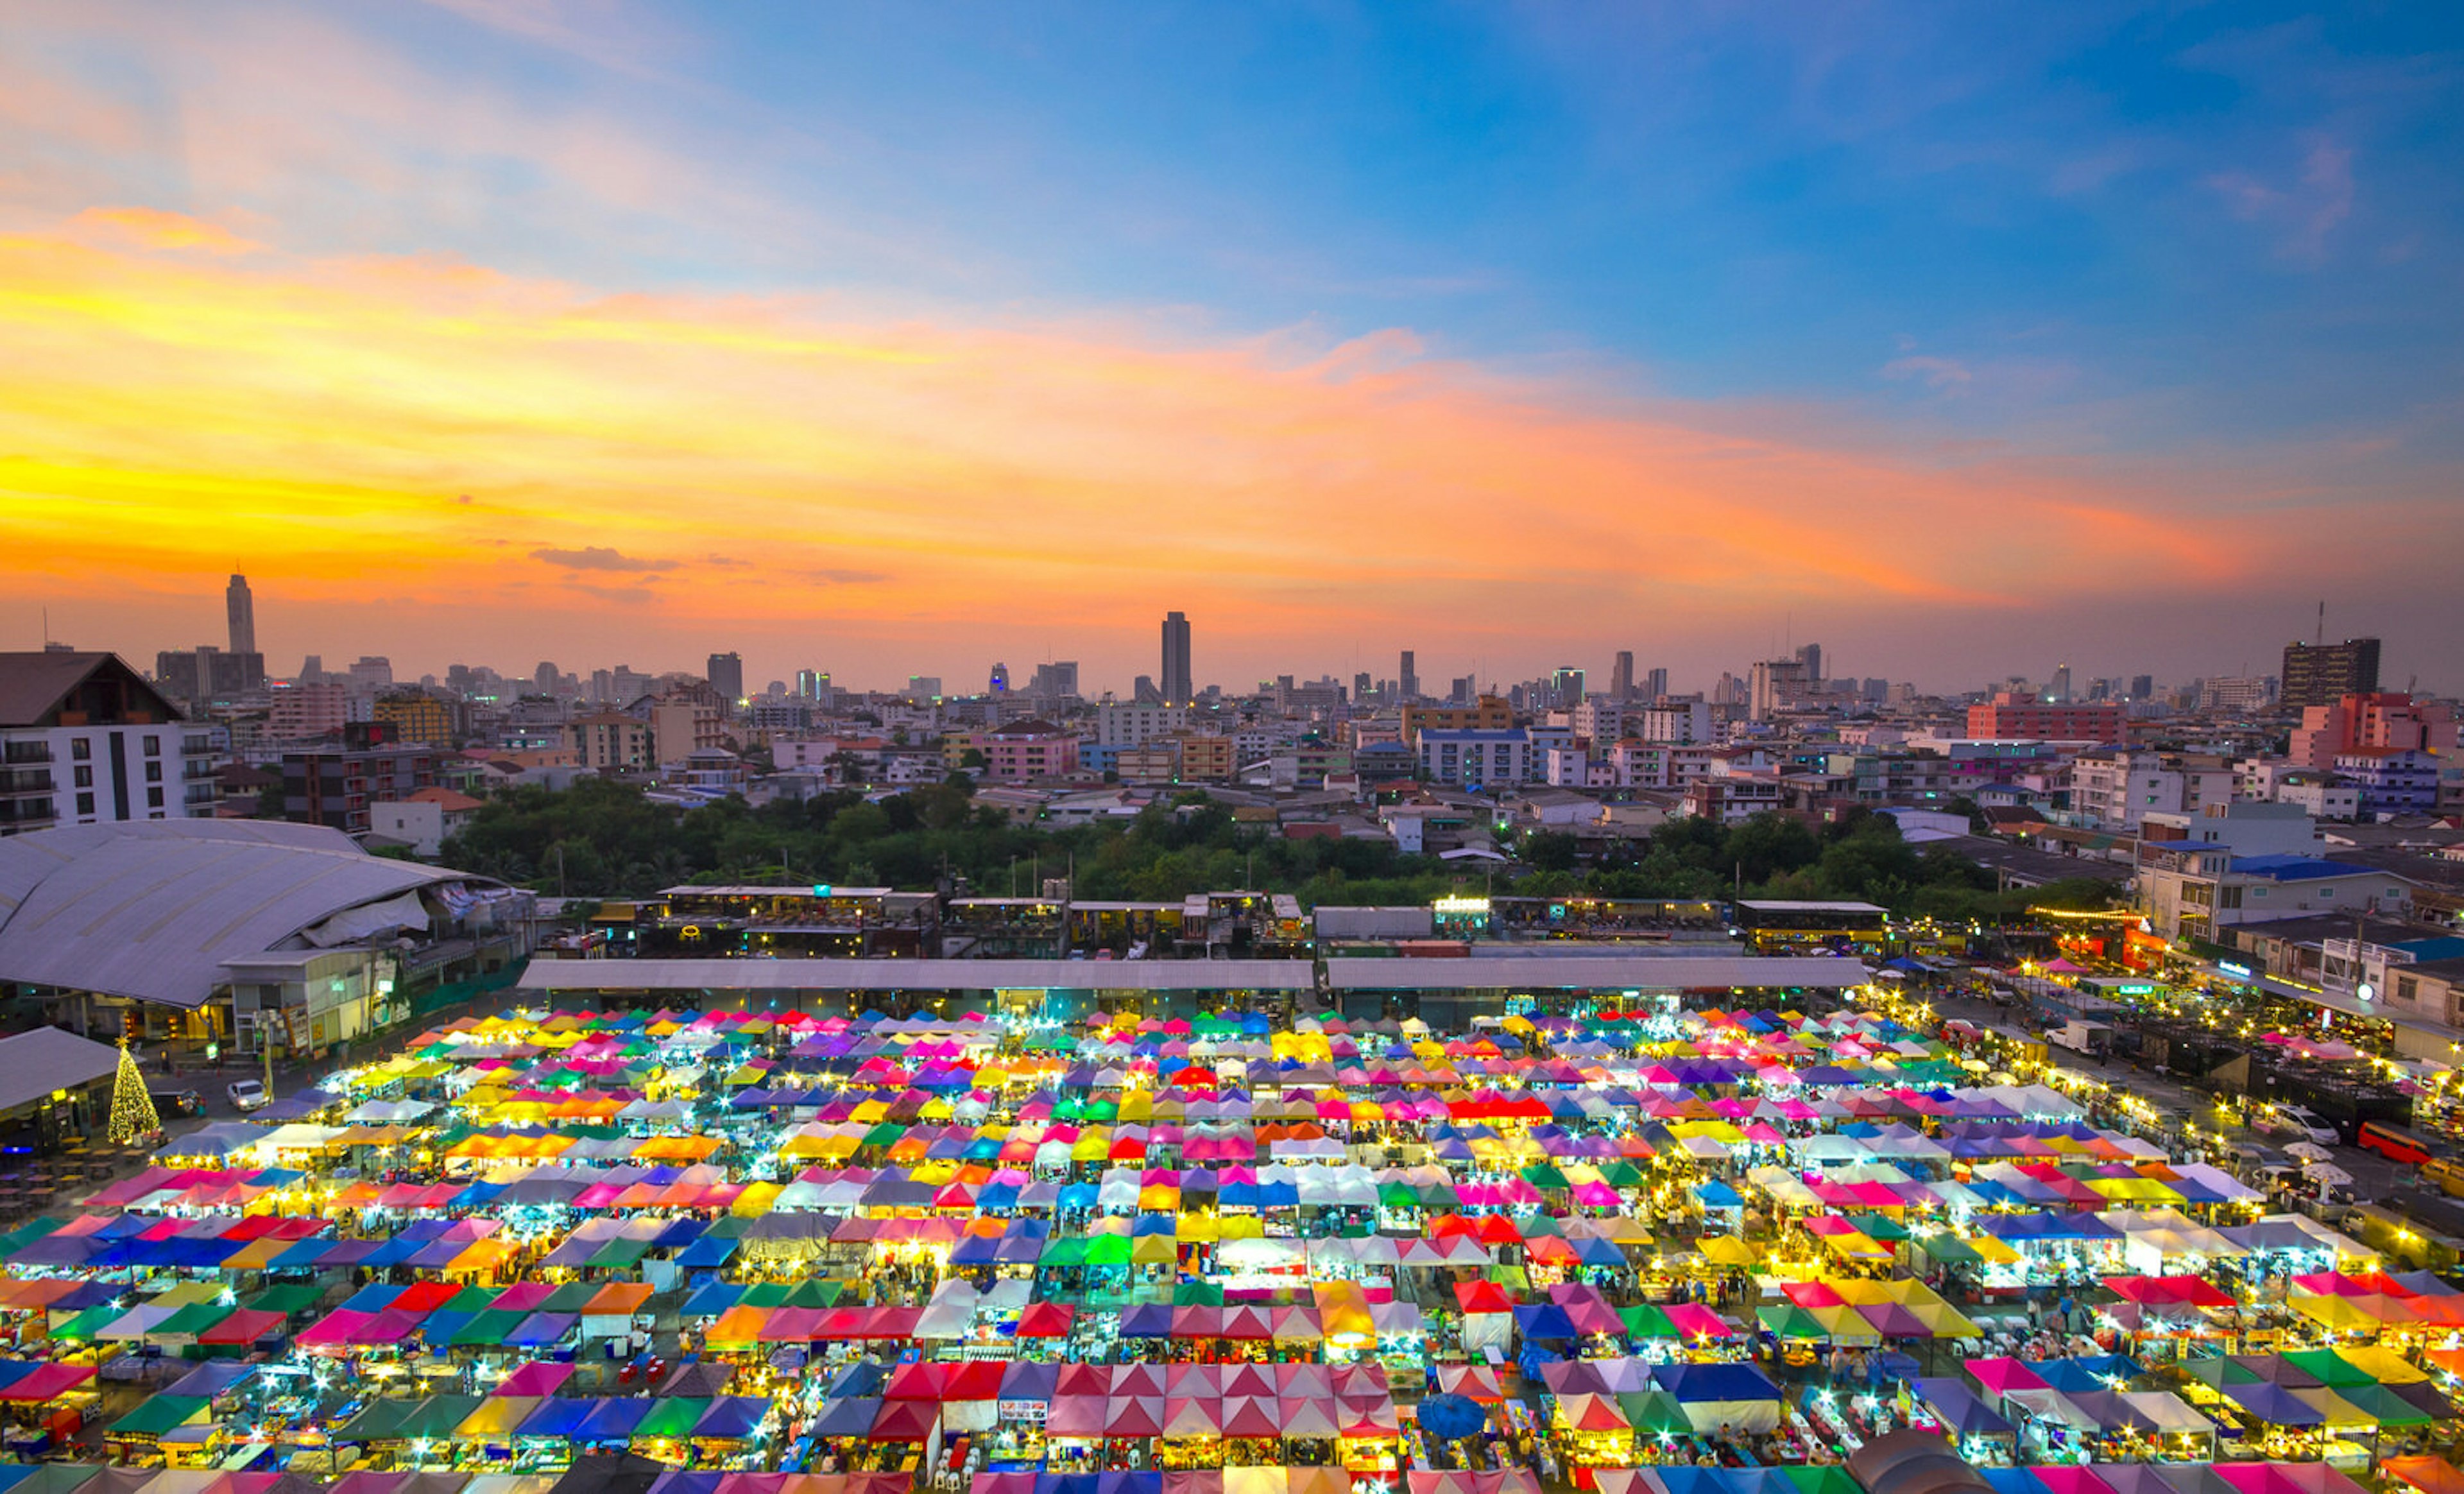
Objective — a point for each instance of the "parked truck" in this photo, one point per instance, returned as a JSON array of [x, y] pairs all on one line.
[[2092, 1038]]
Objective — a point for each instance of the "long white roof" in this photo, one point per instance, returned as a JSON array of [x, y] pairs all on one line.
[[918, 974], [1592, 972], [1522, 971]]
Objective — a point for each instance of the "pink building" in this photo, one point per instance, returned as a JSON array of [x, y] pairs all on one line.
[[1028, 750], [307, 711], [2383, 723]]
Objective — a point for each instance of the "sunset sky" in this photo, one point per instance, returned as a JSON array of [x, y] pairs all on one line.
[[902, 339]]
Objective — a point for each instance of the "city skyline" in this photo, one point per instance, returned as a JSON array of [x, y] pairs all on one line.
[[754, 678], [906, 348]]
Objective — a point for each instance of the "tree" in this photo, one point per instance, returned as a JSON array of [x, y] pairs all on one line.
[[1551, 850], [132, 1108]]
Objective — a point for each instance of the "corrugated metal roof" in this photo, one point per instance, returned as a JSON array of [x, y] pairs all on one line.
[[918, 974], [149, 910], [35, 1063]]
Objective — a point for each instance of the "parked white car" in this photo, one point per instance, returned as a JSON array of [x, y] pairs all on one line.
[[2297, 1120], [249, 1094]]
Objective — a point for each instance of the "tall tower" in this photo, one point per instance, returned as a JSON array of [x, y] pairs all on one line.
[[241, 609], [1408, 684], [1175, 683], [1621, 677], [726, 675]]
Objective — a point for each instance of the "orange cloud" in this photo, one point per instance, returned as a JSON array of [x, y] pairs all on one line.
[[151, 228], [468, 443]]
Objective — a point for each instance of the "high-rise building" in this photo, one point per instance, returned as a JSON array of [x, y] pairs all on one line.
[[2321, 674], [1622, 677], [813, 684], [1057, 680], [1655, 684], [370, 673], [1777, 685], [2141, 686], [1566, 687], [998, 683], [1810, 656], [1177, 691], [2058, 692], [726, 675], [241, 610], [1408, 684]]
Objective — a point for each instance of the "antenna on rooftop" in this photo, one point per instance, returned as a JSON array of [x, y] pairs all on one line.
[[2322, 622]]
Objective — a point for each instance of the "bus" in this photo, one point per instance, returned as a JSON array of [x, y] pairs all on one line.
[[2393, 1142]]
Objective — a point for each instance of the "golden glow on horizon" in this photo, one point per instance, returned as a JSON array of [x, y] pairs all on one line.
[[173, 396]]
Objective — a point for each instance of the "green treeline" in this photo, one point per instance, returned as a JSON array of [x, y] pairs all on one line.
[[604, 839]]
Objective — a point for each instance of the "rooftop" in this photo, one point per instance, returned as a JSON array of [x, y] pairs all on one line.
[[150, 908], [2297, 869]]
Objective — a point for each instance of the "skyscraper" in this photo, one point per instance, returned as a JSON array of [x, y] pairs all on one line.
[[2058, 692], [1000, 682], [1408, 684], [1810, 656], [1566, 687], [241, 609], [1177, 691], [1655, 684], [1621, 677], [726, 675], [2321, 674]]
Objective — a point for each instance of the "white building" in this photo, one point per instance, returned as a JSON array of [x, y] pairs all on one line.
[[2114, 788], [1680, 722], [84, 740], [1476, 758], [424, 822], [1120, 724], [1601, 721]]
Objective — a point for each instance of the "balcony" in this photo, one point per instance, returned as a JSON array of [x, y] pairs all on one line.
[[29, 814], [15, 754], [26, 782]]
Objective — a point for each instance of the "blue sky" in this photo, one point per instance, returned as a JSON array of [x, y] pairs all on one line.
[[2244, 215], [2172, 291]]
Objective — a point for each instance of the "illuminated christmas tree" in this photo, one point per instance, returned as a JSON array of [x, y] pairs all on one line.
[[132, 1109]]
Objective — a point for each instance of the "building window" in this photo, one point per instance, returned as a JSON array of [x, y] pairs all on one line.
[[85, 803], [81, 749], [153, 773], [153, 746], [153, 798], [85, 776]]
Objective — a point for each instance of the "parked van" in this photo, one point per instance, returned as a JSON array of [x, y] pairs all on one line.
[[2446, 1174], [2394, 1143]]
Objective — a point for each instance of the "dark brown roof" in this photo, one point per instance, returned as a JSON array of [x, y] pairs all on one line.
[[33, 686]]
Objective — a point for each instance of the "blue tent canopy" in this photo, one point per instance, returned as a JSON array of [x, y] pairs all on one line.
[[1691, 1382]]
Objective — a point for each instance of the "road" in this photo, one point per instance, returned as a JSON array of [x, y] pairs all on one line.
[[2373, 1176]]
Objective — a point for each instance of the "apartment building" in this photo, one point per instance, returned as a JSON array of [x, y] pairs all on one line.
[[2114, 788], [1476, 758], [83, 740]]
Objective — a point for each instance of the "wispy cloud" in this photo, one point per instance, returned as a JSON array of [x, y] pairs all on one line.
[[2304, 212], [599, 558], [1936, 373], [152, 228]]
